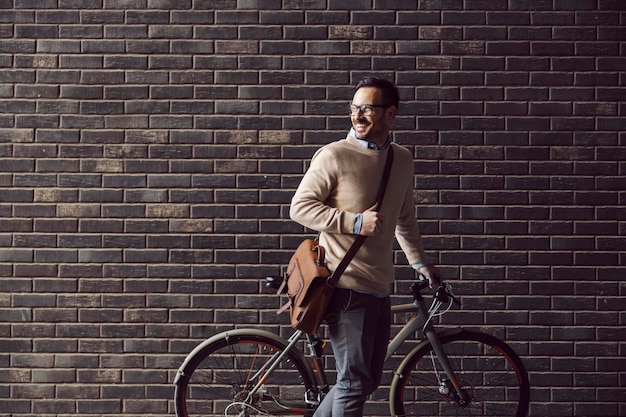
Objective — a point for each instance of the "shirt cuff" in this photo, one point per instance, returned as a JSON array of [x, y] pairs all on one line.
[[358, 221], [422, 264]]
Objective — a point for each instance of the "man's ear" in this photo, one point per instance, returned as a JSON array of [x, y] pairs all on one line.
[[391, 113]]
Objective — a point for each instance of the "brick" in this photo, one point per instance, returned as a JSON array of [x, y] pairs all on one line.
[[99, 406]]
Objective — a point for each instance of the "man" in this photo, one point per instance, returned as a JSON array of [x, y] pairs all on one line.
[[337, 197]]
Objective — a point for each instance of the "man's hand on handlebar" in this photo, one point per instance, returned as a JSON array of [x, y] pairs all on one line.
[[431, 272]]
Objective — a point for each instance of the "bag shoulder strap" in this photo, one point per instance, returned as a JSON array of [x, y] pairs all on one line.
[[358, 242]]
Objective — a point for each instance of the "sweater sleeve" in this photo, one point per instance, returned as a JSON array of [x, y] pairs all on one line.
[[309, 205], [407, 229]]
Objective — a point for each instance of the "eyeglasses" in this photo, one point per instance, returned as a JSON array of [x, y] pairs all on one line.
[[366, 109]]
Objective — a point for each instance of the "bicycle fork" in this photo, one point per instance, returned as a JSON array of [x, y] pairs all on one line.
[[462, 396]]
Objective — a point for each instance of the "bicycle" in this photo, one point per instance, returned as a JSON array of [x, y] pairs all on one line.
[[248, 372]]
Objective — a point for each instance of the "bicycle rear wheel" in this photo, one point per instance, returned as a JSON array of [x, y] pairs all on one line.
[[217, 379], [490, 372]]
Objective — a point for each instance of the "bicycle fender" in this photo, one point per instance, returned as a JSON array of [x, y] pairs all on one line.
[[236, 332]]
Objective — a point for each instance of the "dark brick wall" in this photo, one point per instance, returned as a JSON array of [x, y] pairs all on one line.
[[149, 150]]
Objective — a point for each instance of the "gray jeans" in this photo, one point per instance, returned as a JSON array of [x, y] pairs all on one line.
[[359, 326]]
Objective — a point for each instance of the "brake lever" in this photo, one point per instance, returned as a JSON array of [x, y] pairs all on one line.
[[444, 294]]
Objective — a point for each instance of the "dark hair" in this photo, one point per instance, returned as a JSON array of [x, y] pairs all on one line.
[[391, 96]]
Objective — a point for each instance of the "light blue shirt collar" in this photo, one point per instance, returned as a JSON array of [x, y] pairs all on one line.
[[370, 145]]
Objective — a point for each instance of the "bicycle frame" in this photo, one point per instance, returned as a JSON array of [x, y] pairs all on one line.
[[413, 325]]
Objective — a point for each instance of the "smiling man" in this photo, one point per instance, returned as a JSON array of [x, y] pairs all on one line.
[[337, 197]]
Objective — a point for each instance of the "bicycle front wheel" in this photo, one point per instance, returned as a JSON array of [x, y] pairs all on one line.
[[493, 379], [231, 376]]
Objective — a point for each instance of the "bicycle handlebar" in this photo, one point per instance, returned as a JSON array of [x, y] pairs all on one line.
[[443, 293]]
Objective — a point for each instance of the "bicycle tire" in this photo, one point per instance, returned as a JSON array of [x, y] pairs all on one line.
[[490, 371], [216, 377]]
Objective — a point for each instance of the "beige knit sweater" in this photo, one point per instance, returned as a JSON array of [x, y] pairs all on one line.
[[343, 180]]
